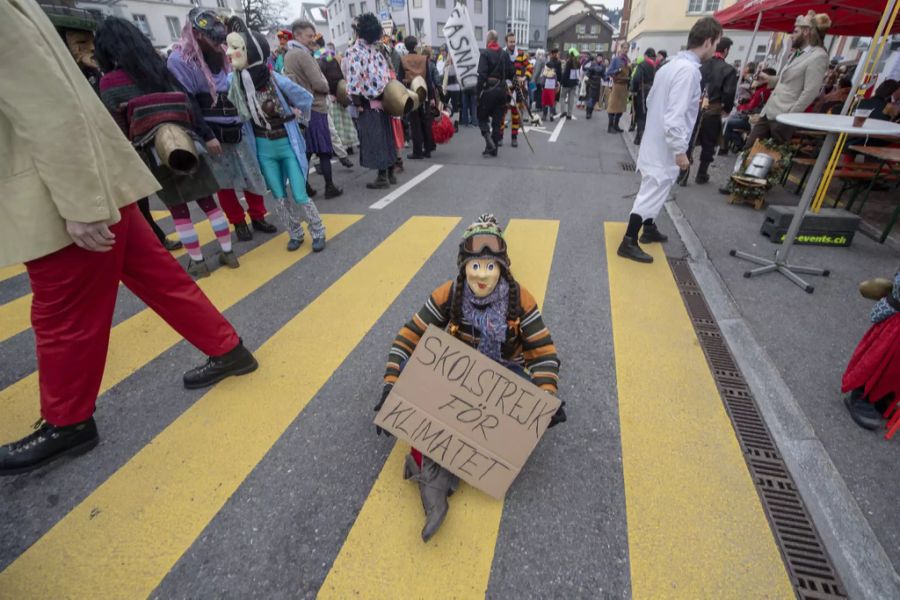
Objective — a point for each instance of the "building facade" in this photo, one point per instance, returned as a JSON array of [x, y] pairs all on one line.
[[664, 24], [159, 20], [528, 19], [586, 32]]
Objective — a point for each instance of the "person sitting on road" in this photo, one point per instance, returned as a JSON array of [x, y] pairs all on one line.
[[487, 309]]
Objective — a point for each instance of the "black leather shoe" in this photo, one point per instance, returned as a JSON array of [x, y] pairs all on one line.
[[172, 245], [650, 233], [332, 191], [238, 361], [391, 178], [629, 249], [47, 443], [243, 232], [263, 225], [863, 413]]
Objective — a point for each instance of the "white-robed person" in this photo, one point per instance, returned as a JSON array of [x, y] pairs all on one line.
[[672, 108]]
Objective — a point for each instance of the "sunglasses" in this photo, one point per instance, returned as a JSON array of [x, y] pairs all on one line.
[[481, 242]]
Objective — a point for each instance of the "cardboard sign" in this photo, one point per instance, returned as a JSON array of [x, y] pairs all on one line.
[[462, 46], [466, 412]]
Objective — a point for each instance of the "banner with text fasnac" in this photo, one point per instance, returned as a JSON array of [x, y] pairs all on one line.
[[472, 416], [462, 45]]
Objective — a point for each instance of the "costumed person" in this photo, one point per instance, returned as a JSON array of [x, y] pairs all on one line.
[[595, 74], [873, 373], [487, 309], [640, 88], [199, 63], [548, 93], [494, 70], [719, 82], [276, 61], [569, 80], [340, 124], [523, 72], [141, 94], [413, 65], [452, 90], [738, 124], [301, 67], [540, 61], [267, 101], [619, 71], [671, 114], [78, 232], [367, 73]]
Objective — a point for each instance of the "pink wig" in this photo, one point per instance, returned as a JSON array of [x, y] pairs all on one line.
[[192, 53]]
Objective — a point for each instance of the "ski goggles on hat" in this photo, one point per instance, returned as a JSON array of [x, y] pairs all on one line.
[[209, 24], [484, 243]]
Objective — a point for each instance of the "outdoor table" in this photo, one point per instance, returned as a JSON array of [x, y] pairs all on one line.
[[885, 156], [832, 125]]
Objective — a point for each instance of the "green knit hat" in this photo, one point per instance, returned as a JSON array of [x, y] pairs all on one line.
[[483, 239]]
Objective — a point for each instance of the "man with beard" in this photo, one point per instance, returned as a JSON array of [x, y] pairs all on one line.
[[495, 69], [797, 85], [522, 64], [199, 64]]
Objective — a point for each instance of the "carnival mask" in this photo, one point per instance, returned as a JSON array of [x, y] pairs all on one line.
[[482, 275], [81, 46], [237, 51]]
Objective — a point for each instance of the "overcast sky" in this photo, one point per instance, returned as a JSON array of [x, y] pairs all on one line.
[[292, 8]]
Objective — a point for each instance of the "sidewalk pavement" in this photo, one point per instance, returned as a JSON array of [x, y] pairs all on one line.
[[793, 348]]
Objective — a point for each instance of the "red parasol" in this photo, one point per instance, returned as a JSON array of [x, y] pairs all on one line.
[[848, 17]]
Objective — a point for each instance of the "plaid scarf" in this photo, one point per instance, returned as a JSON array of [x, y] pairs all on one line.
[[488, 316]]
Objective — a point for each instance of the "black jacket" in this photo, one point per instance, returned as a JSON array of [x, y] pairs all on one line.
[[565, 79], [596, 73], [494, 66], [643, 78], [719, 80]]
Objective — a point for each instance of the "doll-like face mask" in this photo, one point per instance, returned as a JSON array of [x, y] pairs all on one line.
[[81, 45], [482, 275], [237, 51]]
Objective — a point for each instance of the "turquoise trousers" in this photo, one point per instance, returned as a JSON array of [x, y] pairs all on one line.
[[279, 164]]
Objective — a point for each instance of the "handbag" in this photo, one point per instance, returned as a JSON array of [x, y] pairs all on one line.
[[227, 134]]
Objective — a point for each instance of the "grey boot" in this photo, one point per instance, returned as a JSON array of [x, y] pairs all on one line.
[[435, 486]]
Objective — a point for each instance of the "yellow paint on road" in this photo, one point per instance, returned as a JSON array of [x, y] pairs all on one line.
[[10, 272], [15, 316], [696, 528], [122, 539], [226, 287], [384, 556]]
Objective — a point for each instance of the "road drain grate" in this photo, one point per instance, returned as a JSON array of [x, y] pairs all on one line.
[[808, 565], [628, 166]]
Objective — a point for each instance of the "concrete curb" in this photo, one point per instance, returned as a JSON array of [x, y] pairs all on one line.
[[858, 556]]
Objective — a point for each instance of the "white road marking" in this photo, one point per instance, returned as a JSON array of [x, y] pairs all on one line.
[[538, 129], [406, 187], [555, 135]]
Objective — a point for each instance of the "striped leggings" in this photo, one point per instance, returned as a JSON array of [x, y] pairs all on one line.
[[516, 120], [184, 226]]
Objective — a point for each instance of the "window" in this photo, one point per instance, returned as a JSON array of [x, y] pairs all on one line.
[[417, 3], [363, 9], [579, 29], [222, 3], [479, 7], [440, 3], [418, 24], [174, 27], [352, 10], [332, 33], [140, 21], [479, 32], [440, 28], [703, 6]]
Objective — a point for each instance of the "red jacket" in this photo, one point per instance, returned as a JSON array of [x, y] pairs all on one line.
[[757, 101]]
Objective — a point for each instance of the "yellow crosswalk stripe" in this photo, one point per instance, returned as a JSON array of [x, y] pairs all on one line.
[[19, 402], [127, 534], [15, 316], [384, 556], [695, 525], [10, 272]]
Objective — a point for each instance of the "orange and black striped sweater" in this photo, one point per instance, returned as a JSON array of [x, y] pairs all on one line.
[[528, 337]]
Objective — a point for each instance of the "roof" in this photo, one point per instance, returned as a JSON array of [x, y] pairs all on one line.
[[590, 4], [574, 19]]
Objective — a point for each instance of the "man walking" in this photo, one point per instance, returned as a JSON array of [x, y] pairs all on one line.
[[640, 89], [494, 70], [78, 231], [671, 114], [523, 69], [719, 81]]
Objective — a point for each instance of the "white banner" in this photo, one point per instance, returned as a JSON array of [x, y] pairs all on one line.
[[461, 42]]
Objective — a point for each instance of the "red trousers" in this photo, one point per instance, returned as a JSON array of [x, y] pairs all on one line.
[[71, 313], [235, 212]]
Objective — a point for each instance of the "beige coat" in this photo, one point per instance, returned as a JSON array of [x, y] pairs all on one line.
[[61, 154], [798, 83]]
